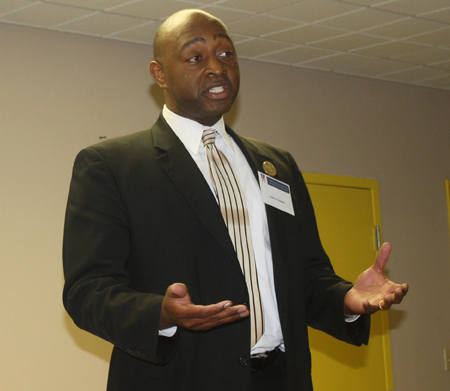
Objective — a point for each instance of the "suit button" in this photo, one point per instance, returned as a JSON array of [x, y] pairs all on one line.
[[244, 361]]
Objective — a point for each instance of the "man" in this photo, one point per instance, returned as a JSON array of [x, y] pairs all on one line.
[[151, 266]]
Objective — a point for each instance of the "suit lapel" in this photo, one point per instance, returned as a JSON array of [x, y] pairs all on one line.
[[254, 156], [183, 171]]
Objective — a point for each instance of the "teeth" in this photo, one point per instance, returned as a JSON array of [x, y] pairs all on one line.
[[216, 90]]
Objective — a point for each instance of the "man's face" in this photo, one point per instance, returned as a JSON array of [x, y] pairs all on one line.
[[200, 70]]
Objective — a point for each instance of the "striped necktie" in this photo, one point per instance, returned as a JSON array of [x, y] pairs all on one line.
[[234, 212]]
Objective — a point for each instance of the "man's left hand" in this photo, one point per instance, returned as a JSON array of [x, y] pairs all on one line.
[[373, 291]]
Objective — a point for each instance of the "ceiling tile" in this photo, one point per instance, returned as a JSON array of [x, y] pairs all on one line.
[[340, 62], [349, 42], [258, 25], [256, 6], [305, 34], [439, 82], [362, 19], [149, 9], [140, 34], [201, 3], [91, 4], [439, 16], [370, 38], [390, 49], [443, 65], [226, 15], [405, 28], [415, 74], [12, 5], [256, 47], [101, 24], [377, 67], [426, 57], [314, 10], [413, 7], [365, 3], [45, 15], [435, 38], [296, 55], [239, 38]]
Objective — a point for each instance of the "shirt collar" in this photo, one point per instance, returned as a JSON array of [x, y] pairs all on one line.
[[190, 132]]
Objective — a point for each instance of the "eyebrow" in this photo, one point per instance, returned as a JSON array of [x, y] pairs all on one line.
[[201, 39]]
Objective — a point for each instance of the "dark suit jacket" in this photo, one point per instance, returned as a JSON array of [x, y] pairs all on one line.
[[140, 217]]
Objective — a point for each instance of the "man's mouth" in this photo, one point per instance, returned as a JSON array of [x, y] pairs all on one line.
[[217, 90]]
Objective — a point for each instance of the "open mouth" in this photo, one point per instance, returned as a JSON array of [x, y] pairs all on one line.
[[219, 92]]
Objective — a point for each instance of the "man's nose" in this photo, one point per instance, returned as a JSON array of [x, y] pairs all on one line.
[[215, 66]]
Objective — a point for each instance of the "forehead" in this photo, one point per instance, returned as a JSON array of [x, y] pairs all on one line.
[[200, 30]]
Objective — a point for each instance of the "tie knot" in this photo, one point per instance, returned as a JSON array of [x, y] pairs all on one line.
[[209, 137]]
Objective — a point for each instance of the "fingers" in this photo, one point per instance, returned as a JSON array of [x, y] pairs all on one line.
[[382, 305], [178, 310], [382, 257], [207, 317], [385, 304], [369, 309], [395, 298]]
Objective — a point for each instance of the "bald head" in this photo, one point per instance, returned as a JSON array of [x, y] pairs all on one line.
[[176, 25], [196, 66]]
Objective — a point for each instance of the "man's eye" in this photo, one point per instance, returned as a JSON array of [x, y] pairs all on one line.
[[195, 59], [228, 53]]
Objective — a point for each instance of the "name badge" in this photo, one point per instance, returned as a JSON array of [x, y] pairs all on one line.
[[276, 193]]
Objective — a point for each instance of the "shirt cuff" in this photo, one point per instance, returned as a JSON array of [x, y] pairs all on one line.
[[351, 318], [170, 332]]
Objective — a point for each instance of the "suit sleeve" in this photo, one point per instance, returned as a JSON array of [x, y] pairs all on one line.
[[324, 290], [96, 249]]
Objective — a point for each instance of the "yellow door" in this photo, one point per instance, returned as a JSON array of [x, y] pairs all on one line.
[[347, 211]]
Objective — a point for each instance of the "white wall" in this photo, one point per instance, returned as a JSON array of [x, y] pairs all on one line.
[[61, 92]]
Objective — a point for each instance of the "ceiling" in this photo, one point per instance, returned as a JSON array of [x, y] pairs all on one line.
[[405, 41]]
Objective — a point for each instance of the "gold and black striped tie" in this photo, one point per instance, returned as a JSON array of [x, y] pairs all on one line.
[[234, 211]]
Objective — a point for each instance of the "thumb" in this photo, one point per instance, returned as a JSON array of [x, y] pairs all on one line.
[[382, 257], [177, 291]]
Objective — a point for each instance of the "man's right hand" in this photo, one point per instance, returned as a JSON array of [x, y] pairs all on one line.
[[178, 310]]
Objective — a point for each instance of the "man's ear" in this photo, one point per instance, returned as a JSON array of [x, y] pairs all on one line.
[[157, 72]]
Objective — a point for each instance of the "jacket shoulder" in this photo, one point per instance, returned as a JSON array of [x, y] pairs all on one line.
[[123, 142]]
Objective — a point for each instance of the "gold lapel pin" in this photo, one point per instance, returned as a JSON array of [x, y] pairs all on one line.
[[269, 168]]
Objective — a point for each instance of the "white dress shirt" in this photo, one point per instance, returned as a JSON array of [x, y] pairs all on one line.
[[190, 133]]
